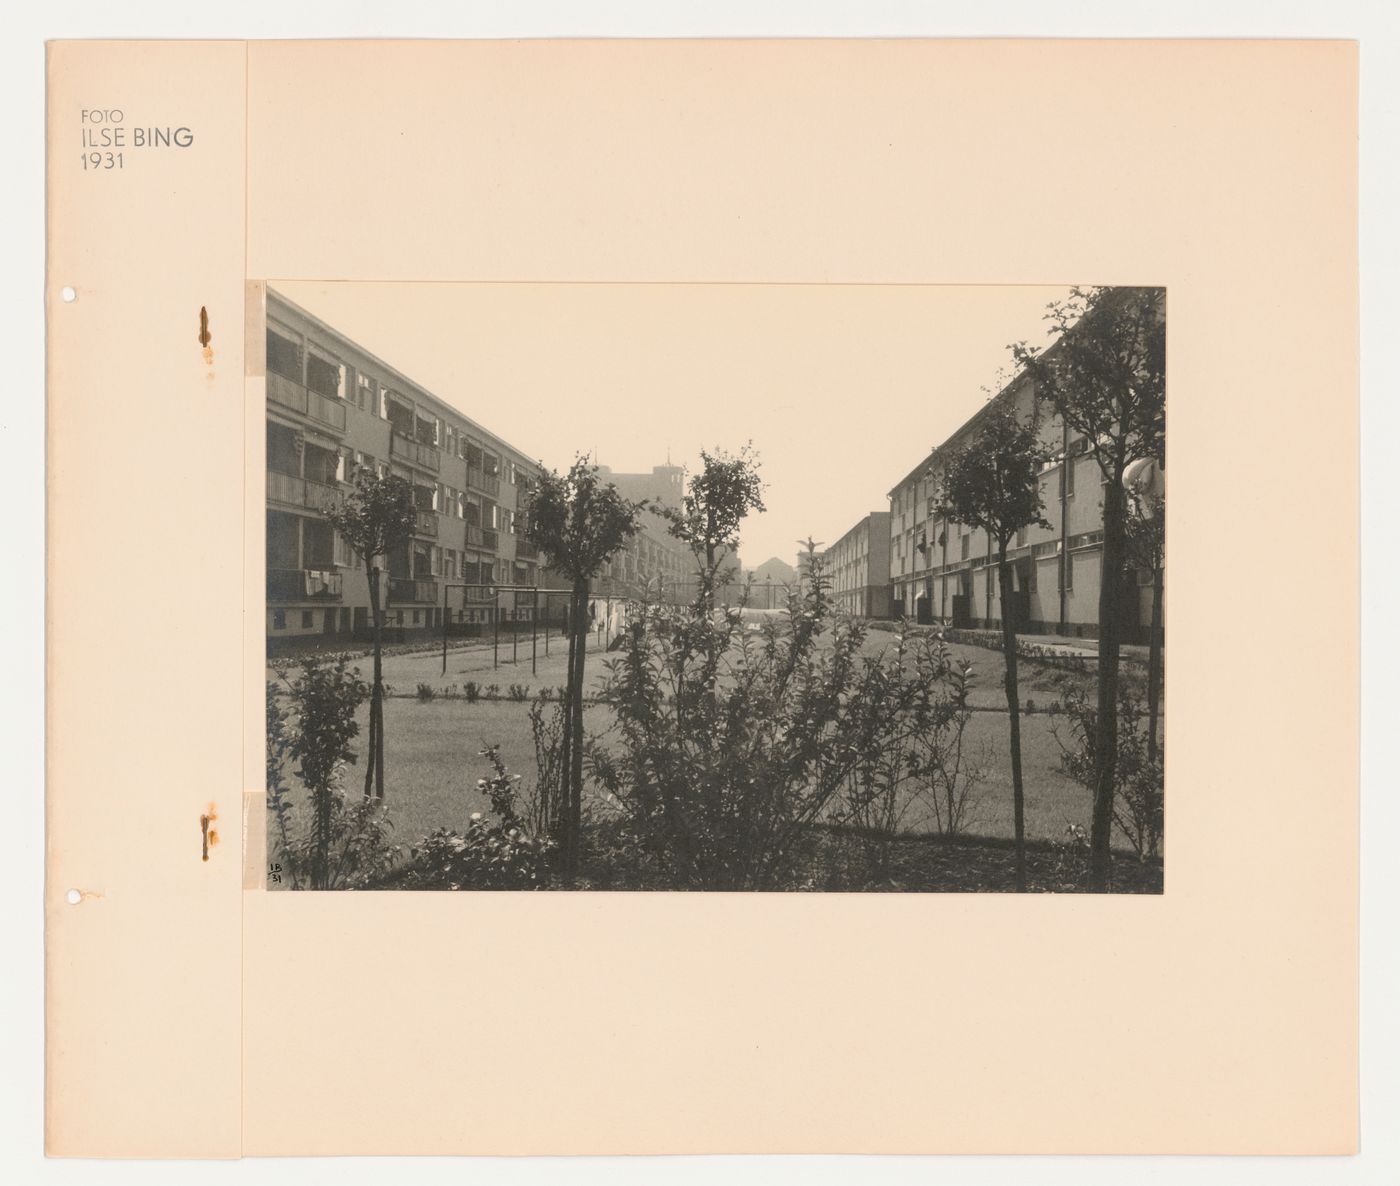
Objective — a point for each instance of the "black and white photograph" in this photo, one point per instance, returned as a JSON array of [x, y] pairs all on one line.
[[825, 588]]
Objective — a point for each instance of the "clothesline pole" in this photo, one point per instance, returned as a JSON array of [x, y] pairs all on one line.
[[514, 627], [534, 629], [444, 627], [496, 634]]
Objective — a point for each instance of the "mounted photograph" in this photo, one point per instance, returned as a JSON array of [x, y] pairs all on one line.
[[750, 587]]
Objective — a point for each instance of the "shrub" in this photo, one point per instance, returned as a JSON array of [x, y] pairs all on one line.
[[345, 842], [730, 742], [426, 691], [519, 692], [917, 755], [487, 856], [472, 690], [1138, 789]]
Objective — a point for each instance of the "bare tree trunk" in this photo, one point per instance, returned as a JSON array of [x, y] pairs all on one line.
[[1154, 665], [575, 769], [1106, 738], [563, 819], [1013, 708], [374, 765]]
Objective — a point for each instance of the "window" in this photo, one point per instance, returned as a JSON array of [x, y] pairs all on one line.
[[1021, 537], [1067, 571], [451, 441], [283, 355], [418, 617], [366, 394], [306, 619], [279, 619], [1069, 475], [966, 546]]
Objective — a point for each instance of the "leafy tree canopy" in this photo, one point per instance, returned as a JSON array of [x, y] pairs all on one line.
[[992, 483], [579, 522]]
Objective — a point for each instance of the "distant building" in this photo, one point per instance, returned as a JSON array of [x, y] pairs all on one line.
[[653, 562], [774, 571], [858, 566]]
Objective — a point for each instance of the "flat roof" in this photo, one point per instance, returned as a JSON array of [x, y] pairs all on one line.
[[397, 374]]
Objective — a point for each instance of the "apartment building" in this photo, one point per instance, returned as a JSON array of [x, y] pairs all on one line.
[[333, 409], [944, 571], [653, 561], [858, 567]]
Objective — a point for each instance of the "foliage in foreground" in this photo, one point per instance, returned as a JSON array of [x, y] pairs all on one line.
[[730, 742]]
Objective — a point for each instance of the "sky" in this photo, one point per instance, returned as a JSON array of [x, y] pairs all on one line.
[[842, 389]]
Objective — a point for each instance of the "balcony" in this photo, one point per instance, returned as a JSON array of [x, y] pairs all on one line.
[[286, 488], [300, 492], [426, 523], [319, 495], [287, 392], [415, 452], [302, 584], [423, 592], [525, 550], [474, 536], [290, 394], [328, 411], [490, 538], [478, 479]]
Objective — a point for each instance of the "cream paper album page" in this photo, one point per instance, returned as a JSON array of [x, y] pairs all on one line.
[[634, 592]]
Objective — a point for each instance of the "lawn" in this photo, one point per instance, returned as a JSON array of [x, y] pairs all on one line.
[[432, 747]]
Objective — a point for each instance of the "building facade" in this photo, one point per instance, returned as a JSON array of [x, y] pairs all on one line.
[[334, 410], [653, 562], [858, 566], [943, 571]]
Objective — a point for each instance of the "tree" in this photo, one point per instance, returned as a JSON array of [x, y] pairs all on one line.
[[1146, 542], [374, 519], [578, 523], [717, 501], [1105, 377], [992, 484]]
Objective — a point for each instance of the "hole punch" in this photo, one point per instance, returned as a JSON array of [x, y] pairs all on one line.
[[69, 294], [73, 897]]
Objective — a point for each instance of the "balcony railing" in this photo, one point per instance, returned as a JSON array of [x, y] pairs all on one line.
[[490, 538], [286, 488], [287, 392], [525, 550], [301, 492], [413, 589], [474, 537], [427, 523], [302, 584], [415, 452], [319, 495], [326, 410], [480, 480]]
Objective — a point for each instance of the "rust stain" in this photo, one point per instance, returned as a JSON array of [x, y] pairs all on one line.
[[205, 337], [208, 837]]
